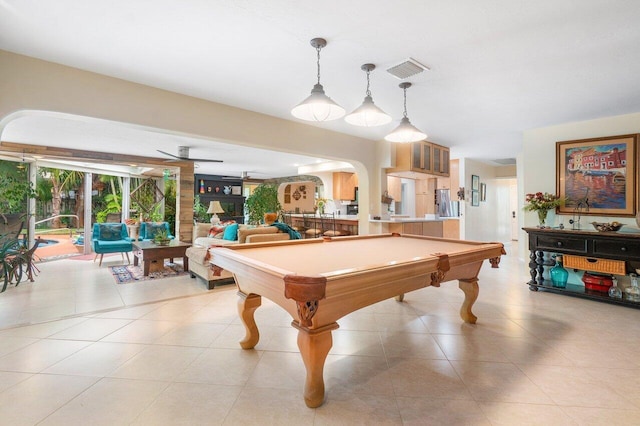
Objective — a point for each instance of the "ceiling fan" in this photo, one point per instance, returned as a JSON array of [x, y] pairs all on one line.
[[243, 176], [183, 154]]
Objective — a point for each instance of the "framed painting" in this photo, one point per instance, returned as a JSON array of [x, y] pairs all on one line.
[[475, 198], [475, 182], [483, 192], [598, 176]]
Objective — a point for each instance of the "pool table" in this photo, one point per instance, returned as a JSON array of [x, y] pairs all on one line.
[[318, 281]]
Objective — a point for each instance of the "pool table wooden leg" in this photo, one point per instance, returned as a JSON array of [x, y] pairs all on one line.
[[314, 346], [471, 290], [247, 305]]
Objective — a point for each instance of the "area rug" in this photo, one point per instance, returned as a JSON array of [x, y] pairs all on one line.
[[130, 274]]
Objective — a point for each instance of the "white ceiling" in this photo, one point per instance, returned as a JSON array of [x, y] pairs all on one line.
[[497, 67]]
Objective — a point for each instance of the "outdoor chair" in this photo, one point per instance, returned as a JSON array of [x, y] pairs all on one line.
[[111, 238], [148, 230]]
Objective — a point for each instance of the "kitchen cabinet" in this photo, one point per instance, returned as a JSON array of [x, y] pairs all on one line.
[[440, 160], [432, 228], [344, 186], [421, 157], [451, 229], [425, 196], [394, 187], [623, 248]]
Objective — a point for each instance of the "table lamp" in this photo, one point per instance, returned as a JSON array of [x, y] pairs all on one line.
[[214, 209]]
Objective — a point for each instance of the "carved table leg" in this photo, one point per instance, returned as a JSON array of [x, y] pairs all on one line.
[[247, 305], [471, 290], [532, 270], [314, 346], [540, 263]]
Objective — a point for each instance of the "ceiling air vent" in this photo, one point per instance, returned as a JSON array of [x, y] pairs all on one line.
[[407, 68]]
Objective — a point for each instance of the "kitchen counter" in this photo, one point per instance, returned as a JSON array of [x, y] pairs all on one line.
[[346, 223], [432, 227], [404, 219], [351, 217]]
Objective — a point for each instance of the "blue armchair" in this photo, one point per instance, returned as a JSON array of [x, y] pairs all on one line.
[[148, 230], [111, 238]]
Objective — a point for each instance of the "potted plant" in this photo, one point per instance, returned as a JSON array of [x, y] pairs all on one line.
[[161, 237], [14, 192], [264, 199]]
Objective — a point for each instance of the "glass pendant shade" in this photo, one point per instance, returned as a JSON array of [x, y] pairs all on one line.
[[368, 115], [318, 107], [405, 133]]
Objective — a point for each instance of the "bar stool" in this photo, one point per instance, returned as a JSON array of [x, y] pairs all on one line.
[[312, 230], [333, 230]]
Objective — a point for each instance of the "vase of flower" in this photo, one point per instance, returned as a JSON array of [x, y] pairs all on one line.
[[542, 217], [541, 203]]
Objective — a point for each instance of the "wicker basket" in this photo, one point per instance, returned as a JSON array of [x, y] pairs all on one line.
[[608, 266]]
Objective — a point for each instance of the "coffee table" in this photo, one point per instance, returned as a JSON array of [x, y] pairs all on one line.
[[152, 255]]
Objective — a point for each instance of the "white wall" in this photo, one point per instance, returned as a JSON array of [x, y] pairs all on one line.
[[33, 86], [537, 165], [490, 221]]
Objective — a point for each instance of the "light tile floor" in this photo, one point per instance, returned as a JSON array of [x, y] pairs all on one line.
[[533, 358]]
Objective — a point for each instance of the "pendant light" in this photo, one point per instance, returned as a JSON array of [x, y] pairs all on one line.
[[318, 106], [405, 132], [368, 114]]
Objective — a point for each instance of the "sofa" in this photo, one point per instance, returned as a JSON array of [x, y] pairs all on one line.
[[198, 253]]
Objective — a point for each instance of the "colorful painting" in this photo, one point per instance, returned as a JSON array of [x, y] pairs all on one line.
[[597, 176]]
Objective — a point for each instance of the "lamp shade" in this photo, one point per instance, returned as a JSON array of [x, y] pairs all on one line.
[[405, 133], [368, 115], [215, 207], [318, 107]]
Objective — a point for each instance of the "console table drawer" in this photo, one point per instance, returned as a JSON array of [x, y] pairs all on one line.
[[561, 243], [626, 249], [608, 266]]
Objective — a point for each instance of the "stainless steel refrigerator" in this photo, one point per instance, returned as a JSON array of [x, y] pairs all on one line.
[[446, 207]]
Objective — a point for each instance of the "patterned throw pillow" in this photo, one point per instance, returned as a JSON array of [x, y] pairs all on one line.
[[110, 231], [153, 228], [217, 231]]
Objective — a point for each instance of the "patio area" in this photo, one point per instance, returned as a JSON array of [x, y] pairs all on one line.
[[69, 283]]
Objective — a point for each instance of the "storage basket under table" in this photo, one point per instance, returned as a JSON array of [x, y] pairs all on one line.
[[607, 266]]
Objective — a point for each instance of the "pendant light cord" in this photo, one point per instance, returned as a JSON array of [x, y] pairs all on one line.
[[318, 62], [368, 91], [405, 101]]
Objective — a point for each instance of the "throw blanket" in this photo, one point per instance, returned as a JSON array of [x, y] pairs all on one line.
[[293, 234]]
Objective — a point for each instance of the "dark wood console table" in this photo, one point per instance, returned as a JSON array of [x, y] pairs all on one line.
[[622, 246]]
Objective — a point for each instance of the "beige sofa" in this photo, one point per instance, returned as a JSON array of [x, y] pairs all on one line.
[[198, 254]]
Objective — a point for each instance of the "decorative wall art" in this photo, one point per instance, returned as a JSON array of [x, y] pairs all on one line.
[[475, 182], [475, 198], [483, 192], [597, 176]]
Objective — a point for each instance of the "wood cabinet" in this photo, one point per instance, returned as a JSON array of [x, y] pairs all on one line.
[[430, 229], [440, 156], [618, 246], [344, 186], [394, 187], [421, 157], [451, 228], [425, 196]]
